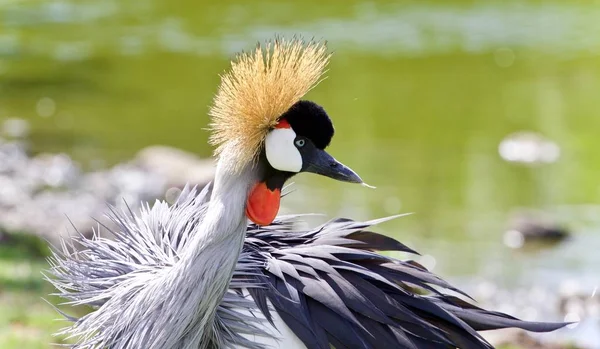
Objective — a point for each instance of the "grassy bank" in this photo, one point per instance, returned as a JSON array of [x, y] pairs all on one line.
[[26, 320]]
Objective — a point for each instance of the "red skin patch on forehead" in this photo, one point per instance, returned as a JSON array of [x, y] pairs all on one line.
[[283, 124]]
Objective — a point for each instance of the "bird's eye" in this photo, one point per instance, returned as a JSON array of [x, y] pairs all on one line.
[[300, 142]]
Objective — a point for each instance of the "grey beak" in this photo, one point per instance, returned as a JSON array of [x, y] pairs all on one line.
[[320, 162]]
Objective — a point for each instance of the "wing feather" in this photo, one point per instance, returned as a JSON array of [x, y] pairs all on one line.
[[332, 287]]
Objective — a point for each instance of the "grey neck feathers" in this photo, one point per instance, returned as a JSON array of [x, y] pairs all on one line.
[[225, 216], [206, 266]]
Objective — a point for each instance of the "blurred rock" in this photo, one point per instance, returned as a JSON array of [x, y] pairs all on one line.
[[530, 225], [528, 148], [38, 193], [15, 128], [176, 166], [53, 170], [570, 302], [577, 303], [520, 339]]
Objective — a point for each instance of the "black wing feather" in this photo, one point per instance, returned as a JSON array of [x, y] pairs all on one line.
[[331, 287]]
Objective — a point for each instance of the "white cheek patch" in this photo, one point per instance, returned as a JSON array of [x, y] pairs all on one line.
[[281, 152]]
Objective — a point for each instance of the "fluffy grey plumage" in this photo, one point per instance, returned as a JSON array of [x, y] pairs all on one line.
[[327, 284], [161, 283]]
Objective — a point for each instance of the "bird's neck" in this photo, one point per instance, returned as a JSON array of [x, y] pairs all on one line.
[[225, 217], [209, 261], [224, 225]]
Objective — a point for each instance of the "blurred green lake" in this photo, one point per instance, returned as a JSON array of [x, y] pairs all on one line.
[[421, 94]]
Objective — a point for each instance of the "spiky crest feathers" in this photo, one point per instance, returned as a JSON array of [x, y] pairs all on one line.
[[261, 86]]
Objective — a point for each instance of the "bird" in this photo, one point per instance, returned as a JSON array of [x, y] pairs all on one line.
[[219, 268]]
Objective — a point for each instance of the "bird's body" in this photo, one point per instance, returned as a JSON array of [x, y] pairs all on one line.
[[196, 275], [319, 286]]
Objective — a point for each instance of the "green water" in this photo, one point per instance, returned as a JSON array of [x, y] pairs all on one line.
[[421, 94]]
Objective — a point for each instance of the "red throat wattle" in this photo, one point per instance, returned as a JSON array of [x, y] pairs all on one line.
[[263, 204]]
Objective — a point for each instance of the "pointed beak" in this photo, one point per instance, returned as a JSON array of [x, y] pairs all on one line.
[[324, 164]]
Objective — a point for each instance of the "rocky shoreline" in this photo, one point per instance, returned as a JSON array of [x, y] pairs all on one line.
[[47, 194]]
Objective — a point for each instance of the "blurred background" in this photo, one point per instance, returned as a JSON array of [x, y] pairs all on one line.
[[481, 117]]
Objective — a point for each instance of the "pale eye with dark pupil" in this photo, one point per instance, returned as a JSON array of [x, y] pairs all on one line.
[[300, 143]]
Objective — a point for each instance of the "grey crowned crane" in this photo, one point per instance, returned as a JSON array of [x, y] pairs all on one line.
[[198, 274]]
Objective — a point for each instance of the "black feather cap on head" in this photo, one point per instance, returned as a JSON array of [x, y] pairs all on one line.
[[310, 120]]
